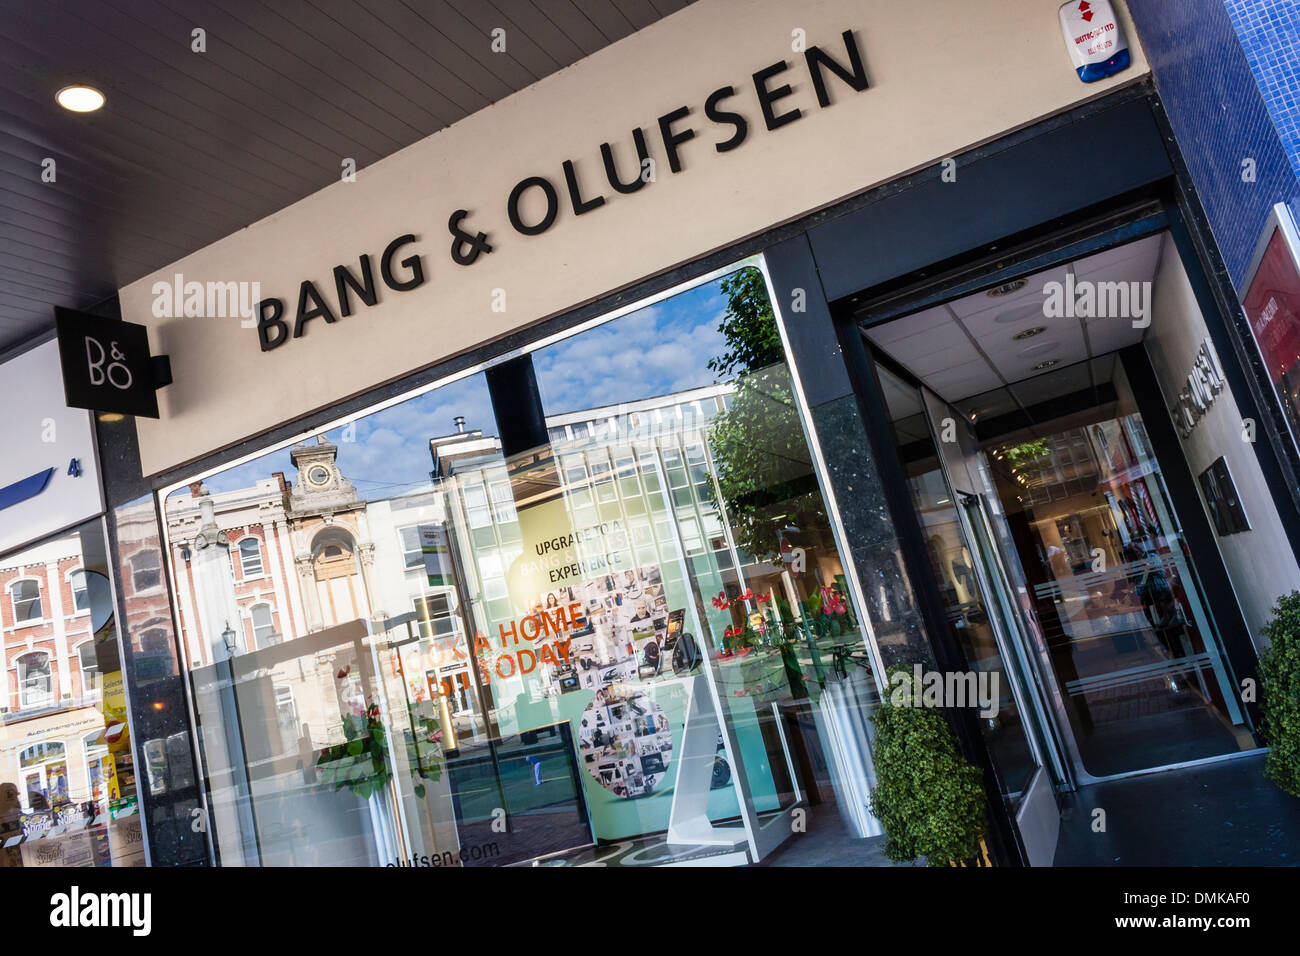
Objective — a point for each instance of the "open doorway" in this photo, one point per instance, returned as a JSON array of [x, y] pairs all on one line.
[[1047, 449]]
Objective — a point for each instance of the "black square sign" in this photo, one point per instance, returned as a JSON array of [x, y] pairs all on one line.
[[106, 364]]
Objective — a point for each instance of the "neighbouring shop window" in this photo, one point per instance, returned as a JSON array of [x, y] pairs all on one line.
[[26, 599], [67, 781], [1272, 305], [494, 634]]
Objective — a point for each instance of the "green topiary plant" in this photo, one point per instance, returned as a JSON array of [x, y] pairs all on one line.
[[1279, 672], [929, 800]]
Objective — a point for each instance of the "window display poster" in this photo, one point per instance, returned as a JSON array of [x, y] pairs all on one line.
[[1272, 304], [590, 661], [72, 849], [559, 552], [126, 843], [57, 775]]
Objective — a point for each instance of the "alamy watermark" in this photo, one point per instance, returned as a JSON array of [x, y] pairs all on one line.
[[1085, 299], [922, 688], [212, 300], [77, 909]]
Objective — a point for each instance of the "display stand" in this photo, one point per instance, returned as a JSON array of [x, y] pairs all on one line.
[[688, 820]]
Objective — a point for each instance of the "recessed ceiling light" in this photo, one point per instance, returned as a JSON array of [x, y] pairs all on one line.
[[1048, 364], [1007, 288], [80, 99], [1029, 333]]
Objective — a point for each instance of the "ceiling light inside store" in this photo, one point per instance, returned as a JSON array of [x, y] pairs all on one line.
[[1007, 288], [1029, 333], [1048, 364], [80, 99]]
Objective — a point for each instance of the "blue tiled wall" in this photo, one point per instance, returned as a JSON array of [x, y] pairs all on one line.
[[1270, 34], [1204, 79]]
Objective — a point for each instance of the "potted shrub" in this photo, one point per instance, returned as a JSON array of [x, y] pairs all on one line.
[[928, 798], [1279, 671]]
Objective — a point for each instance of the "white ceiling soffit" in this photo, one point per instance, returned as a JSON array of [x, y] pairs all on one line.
[[970, 345]]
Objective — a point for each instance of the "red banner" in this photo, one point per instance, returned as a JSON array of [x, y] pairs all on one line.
[[1272, 303]]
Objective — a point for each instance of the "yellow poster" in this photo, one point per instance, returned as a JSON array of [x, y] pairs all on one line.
[[116, 733], [114, 787], [557, 553]]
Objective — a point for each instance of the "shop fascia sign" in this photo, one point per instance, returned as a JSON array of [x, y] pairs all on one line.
[[401, 267], [107, 366]]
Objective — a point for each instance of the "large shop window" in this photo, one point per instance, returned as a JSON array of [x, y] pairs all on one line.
[[67, 778], [631, 623]]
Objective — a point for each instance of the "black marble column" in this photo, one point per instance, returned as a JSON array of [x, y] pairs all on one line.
[[852, 473], [882, 532], [169, 795]]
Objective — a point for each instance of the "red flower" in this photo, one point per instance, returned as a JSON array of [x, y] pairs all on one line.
[[721, 602], [764, 598], [748, 595], [435, 736]]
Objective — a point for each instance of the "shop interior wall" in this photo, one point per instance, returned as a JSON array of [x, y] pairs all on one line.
[[1260, 562]]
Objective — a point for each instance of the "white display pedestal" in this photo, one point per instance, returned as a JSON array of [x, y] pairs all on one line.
[[688, 820]]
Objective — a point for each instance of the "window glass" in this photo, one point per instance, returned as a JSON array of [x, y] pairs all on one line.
[[67, 778], [477, 635], [412, 555], [89, 661], [34, 684], [263, 625], [250, 557], [80, 591], [26, 598], [146, 570]]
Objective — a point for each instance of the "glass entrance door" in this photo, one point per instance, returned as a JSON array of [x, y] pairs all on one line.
[[975, 611], [1130, 652]]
